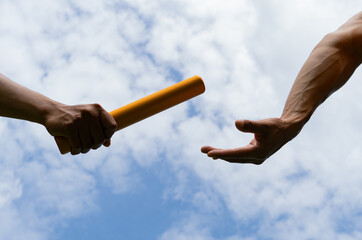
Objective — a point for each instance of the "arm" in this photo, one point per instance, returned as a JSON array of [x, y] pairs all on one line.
[[85, 126], [329, 66]]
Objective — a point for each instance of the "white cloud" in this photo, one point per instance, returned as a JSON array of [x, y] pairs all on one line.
[[190, 228], [116, 173], [10, 188]]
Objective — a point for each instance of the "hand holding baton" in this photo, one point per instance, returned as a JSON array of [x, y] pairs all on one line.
[[149, 105]]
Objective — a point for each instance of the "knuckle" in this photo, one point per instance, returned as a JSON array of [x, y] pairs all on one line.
[[248, 124], [87, 113], [76, 119], [75, 151], [113, 126], [85, 150], [96, 146], [96, 106]]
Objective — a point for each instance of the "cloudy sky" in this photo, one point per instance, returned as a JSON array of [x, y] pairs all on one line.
[[153, 182]]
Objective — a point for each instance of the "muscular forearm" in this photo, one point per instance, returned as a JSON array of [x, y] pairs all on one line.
[[328, 67], [19, 102]]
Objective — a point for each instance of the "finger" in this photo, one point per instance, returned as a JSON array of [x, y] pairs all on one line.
[[249, 126], [74, 141], [107, 143], [108, 123], [243, 161], [206, 149], [96, 133], [247, 152], [85, 136]]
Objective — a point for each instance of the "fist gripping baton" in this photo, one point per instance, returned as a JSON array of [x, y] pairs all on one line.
[[149, 105]]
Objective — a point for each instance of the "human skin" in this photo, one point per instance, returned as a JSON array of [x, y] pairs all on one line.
[[86, 126], [329, 66]]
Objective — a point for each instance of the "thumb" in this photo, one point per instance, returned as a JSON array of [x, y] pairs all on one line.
[[249, 126], [107, 143]]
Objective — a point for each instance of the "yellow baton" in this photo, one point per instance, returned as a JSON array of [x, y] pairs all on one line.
[[149, 105]]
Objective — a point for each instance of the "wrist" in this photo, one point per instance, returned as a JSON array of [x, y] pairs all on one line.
[[295, 122], [46, 110]]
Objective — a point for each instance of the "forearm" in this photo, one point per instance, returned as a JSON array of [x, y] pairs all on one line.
[[83, 126], [325, 72], [19, 102], [328, 68]]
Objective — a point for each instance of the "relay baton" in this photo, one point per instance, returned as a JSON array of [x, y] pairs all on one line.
[[149, 105]]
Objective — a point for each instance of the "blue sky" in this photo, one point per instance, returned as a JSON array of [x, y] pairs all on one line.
[[153, 182]]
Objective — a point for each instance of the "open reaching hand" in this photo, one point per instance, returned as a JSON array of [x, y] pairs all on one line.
[[269, 136]]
